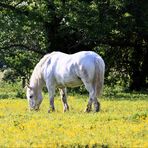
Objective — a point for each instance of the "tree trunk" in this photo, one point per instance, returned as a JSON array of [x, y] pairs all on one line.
[[145, 69], [137, 81], [138, 70]]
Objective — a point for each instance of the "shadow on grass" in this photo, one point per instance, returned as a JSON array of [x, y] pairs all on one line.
[[84, 146]]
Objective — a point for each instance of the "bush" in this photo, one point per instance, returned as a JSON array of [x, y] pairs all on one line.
[[20, 93], [81, 90], [10, 76]]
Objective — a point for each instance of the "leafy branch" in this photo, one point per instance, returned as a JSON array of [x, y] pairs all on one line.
[[22, 46], [32, 14]]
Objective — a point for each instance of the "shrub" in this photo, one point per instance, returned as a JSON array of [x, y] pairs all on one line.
[[10, 76], [20, 93]]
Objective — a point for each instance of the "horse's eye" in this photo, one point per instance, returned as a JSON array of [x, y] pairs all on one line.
[[31, 97]]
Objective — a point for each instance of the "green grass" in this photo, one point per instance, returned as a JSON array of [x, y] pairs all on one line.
[[122, 122]]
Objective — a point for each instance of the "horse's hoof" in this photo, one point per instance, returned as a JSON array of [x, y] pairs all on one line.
[[97, 107], [97, 110], [87, 110], [53, 109], [65, 109], [49, 111]]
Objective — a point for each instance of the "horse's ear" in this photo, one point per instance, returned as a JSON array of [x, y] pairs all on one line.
[[28, 86]]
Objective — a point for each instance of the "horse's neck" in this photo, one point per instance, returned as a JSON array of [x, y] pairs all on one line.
[[36, 80]]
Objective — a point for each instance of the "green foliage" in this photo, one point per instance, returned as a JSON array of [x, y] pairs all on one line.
[[12, 91], [80, 90], [10, 76], [20, 94], [114, 28], [20, 64]]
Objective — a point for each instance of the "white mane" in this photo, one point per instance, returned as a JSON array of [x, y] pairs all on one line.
[[37, 72]]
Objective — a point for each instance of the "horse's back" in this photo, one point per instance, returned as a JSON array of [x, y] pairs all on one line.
[[83, 61], [85, 55], [70, 69], [76, 57]]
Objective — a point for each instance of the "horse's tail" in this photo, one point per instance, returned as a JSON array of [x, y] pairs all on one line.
[[99, 75]]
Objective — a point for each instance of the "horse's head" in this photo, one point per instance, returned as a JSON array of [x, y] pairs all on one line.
[[34, 99]]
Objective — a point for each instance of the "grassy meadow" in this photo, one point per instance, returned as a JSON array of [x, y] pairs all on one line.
[[122, 121]]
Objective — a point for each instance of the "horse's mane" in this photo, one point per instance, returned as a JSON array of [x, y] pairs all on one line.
[[42, 61], [38, 68]]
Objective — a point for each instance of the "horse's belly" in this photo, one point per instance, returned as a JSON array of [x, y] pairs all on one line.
[[70, 83], [73, 83]]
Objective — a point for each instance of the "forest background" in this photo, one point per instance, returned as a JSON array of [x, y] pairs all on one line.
[[115, 29]]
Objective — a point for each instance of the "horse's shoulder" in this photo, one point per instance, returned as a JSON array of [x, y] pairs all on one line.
[[48, 57]]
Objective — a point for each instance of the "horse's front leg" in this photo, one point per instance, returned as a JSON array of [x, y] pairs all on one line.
[[63, 94], [52, 108], [89, 105], [51, 92]]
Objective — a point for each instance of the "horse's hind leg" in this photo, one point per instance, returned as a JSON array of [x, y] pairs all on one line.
[[92, 97], [64, 99], [89, 88], [96, 105]]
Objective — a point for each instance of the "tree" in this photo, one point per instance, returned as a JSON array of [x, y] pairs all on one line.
[[132, 37], [116, 29]]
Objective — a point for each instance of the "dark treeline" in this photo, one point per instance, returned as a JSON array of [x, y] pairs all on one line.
[[116, 29]]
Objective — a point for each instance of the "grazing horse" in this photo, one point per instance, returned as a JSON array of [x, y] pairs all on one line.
[[60, 70]]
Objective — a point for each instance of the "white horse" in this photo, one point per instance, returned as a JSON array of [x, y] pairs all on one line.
[[60, 70]]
